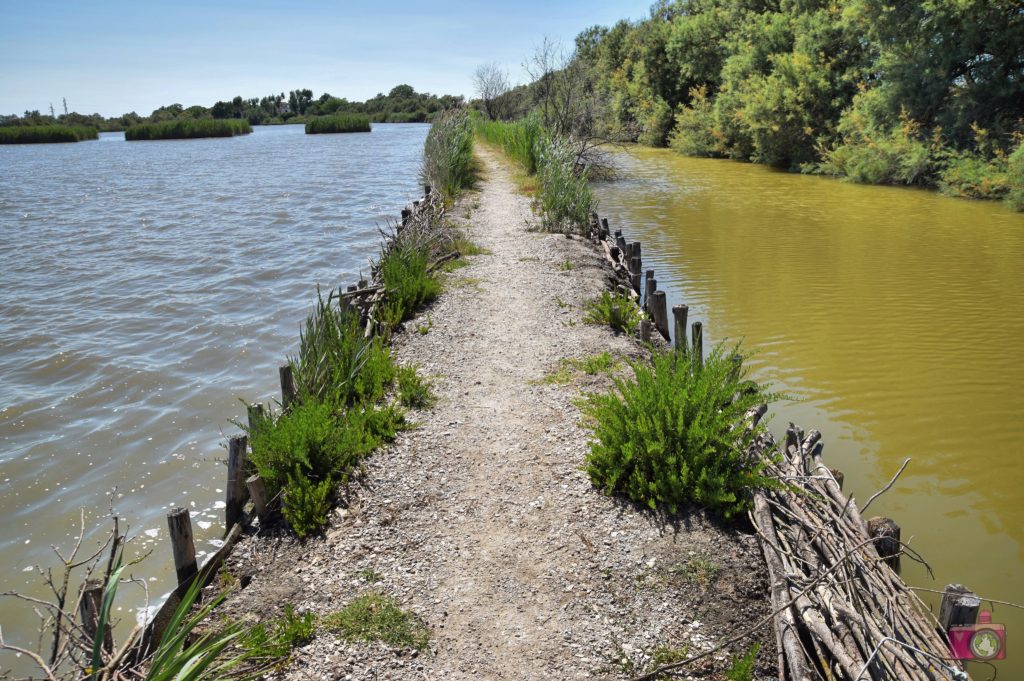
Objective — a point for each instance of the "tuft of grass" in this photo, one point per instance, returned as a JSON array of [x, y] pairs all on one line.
[[424, 329], [188, 129], [561, 303], [567, 266], [413, 390], [615, 310], [448, 163], [337, 123], [518, 139], [565, 199], [368, 575], [42, 134], [374, 617], [697, 570], [668, 437], [274, 641], [591, 366], [742, 668]]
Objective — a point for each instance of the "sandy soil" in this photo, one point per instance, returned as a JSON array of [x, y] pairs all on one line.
[[482, 523]]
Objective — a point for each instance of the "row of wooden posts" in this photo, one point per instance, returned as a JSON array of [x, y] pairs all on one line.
[[959, 605], [242, 489]]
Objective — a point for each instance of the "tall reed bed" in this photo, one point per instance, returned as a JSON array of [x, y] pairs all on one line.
[[564, 198], [343, 122], [188, 129], [518, 139], [39, 134], [448, 164]]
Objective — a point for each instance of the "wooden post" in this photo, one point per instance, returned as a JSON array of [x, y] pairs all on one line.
[[179, 523], [604, 228], [959, 607], [621, 241], [634, 280], [886, 534], [89, 612], [636, 254], [363, 283], [287, 385], [255, 413], [697, 343], [258, 492], [679, 313], [659, 310], [426, 191], [645, 330], [237, 493], [406, 216], [614, 252], [650, 286], [352, 288], [838, 475]]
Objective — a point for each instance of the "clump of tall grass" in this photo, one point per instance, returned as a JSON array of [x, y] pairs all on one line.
[[343, 122], [615, 310], [518, 139], [408, 283], [40, 134], [448, 165], [564, 198], [374, 617], [669, 436], [188, 129]]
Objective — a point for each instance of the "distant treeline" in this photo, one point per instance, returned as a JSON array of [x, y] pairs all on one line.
[[921, 92], [401, 105]]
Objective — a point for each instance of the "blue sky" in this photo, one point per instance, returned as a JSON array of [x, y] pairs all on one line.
[[112, 57]]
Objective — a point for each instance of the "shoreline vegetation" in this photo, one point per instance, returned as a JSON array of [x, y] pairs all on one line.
[[42, 134], [338, 123], [177, 130]]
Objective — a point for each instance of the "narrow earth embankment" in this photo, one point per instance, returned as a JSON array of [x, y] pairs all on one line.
[[480, 520]]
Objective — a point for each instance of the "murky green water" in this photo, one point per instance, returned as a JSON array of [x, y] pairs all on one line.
[[896, 316]]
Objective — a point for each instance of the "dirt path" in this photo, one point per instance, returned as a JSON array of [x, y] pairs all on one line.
[[481, 521]]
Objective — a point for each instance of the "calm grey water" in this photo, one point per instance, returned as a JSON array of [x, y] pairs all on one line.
[[145, 288]]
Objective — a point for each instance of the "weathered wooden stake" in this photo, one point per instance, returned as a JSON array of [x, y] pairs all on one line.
[[237, 493], [636, 254], [645, 330], [959, 607], [634, 273], [650, 286], [886, 534], [255, 413], [352, 288], [89, 612], [604, 229], [179, 524], [679, 314], [258, 492], [697, 343], [838, 475], [426, 191], [614, 251], [659, 310], [621, 241], [363, 283], [406, 216], [287, 385]]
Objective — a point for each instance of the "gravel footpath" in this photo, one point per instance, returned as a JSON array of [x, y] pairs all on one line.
[[480, 520]]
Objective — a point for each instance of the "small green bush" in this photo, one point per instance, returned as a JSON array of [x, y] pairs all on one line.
[[617, 311], [307, 503], [188, 129], [337, 123], [373, 617], [668, 436], [448, 165], [407, 283], [414, 391], [1015, 179], [41, 134]]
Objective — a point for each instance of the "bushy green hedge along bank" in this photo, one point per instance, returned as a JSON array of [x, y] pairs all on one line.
[[448, 165], [39, 134], [346, 122], [668, 436], [563, 198], [187, 129]]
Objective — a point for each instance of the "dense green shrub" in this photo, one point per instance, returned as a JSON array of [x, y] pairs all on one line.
[[873, 156], [973, 176], [668, 436], [615, 310], [695, 133], [344, 122], [188, 129], [565, 198], [407, 283], [448, 165], [414, 391], [518, 139], [38, 134], [306, 503]]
